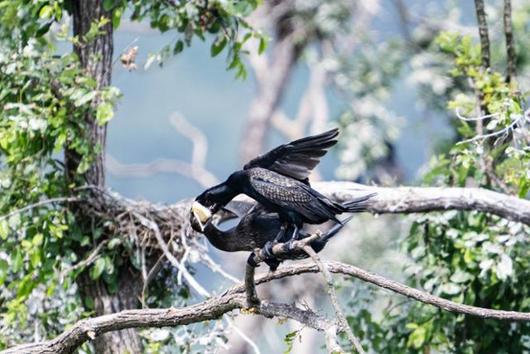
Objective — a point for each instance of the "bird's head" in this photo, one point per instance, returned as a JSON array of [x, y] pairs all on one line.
[[211, 201], [207, 204], [202, 210]]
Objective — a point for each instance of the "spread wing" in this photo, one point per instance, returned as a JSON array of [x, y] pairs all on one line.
[[298, 158]]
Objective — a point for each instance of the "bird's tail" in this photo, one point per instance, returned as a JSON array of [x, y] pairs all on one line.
[[358, 204], [334, 230]]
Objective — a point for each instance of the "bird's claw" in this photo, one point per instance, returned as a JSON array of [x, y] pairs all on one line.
[[270, 259], [291, 245], [267, 250], [251, 261]]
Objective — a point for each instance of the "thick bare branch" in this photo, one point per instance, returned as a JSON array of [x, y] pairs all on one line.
[[427, 199], [394, 286], [210, 309], [234, 298]]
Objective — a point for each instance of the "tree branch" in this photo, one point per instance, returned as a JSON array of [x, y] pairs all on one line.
[[234, 298], [427, 199], [483, 33], [510, 46], [334, 300]]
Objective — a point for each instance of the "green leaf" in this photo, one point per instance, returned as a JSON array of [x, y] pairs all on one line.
[[35, 258], [108, 4], [460, 276], [46, 12], [104, 113], [524, 187], [87, 97], [97, 268], [289, 340], [4, 267], [17, 261], [450, 288], [38, 239], [116, 18], [114, 243], [218, 46], [4, 229], [262, 45], [179, 47], [417, 338]]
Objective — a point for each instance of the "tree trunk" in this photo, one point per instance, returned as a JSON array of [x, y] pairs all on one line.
[[129, 287], [96, 57]]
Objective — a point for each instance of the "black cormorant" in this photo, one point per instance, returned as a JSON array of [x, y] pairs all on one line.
[[279, 181], [256, 228]]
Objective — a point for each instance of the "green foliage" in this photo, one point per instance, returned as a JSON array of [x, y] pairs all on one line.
[[467, 257], [222, 20], [289, 340], [505, 105], [23, 20], [46, 100]]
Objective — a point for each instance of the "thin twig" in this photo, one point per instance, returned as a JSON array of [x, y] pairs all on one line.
[[242, 334], [334, 300], [150, 275], [38, 204], [505, 130], [87, 261], [191, 280], [195, 169]]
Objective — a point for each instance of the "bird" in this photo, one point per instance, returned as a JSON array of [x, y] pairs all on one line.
[[257, 227], [279, 181]]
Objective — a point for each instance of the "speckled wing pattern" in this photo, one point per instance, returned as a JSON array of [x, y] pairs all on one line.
[[289, 193], [298, 158]]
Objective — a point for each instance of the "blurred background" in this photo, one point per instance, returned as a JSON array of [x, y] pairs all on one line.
[[323, 88], [369, 67]]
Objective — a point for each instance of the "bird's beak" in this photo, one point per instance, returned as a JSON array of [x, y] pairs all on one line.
[[201, 213]]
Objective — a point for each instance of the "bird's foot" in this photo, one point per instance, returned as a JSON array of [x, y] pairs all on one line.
[[291, 245], [270, 258], [267, 249], [251, 260]]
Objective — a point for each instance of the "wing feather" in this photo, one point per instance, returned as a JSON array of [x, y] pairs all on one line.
[[292, 195], [298, 158]]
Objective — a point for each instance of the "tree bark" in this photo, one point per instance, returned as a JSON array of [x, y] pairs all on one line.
[[105, 302], [95, 57]]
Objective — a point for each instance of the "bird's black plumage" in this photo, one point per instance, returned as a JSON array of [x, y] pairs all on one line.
[[257, 227], [298, 158], [279, 181]]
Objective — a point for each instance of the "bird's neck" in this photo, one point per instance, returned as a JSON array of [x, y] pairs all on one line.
[[223, 240]]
